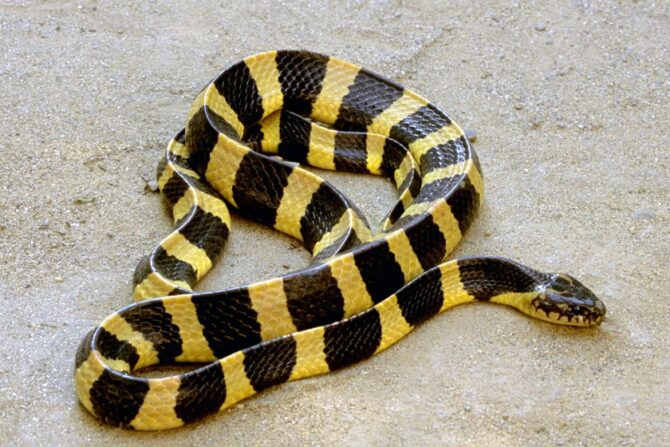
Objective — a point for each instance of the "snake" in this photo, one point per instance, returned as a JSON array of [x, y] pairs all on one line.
[[246, 136]]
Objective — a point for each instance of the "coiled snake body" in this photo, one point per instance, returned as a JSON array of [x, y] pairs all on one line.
[[362, 292]]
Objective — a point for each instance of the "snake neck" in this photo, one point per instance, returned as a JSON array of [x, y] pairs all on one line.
[[497, 280]]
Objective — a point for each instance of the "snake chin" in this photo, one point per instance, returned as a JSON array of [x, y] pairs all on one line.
[[565, 300]]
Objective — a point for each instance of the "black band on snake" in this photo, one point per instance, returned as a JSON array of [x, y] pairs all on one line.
[[362, 292]]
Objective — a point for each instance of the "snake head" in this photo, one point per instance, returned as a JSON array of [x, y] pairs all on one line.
[[564, 300]]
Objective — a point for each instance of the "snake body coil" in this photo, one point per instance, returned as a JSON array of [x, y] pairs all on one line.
[[362, 292]]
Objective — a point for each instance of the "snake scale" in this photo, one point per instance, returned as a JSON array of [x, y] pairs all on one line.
[[362, 292]]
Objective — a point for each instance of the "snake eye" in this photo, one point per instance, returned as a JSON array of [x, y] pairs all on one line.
[[575, 310]]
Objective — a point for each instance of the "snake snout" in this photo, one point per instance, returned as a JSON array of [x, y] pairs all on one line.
[[565, 300]]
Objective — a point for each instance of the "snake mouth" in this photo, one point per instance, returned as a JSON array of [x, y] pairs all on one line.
[[568, 318]]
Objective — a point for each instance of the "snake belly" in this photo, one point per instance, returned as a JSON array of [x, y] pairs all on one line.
[[361, 293]]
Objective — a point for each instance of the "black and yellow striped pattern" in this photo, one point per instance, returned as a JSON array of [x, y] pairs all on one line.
[[362, 293]]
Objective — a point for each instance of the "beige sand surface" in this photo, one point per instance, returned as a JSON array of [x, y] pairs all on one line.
[[570, 103]]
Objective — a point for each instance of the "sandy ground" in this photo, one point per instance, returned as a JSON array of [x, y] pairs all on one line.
[[570, 103]]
